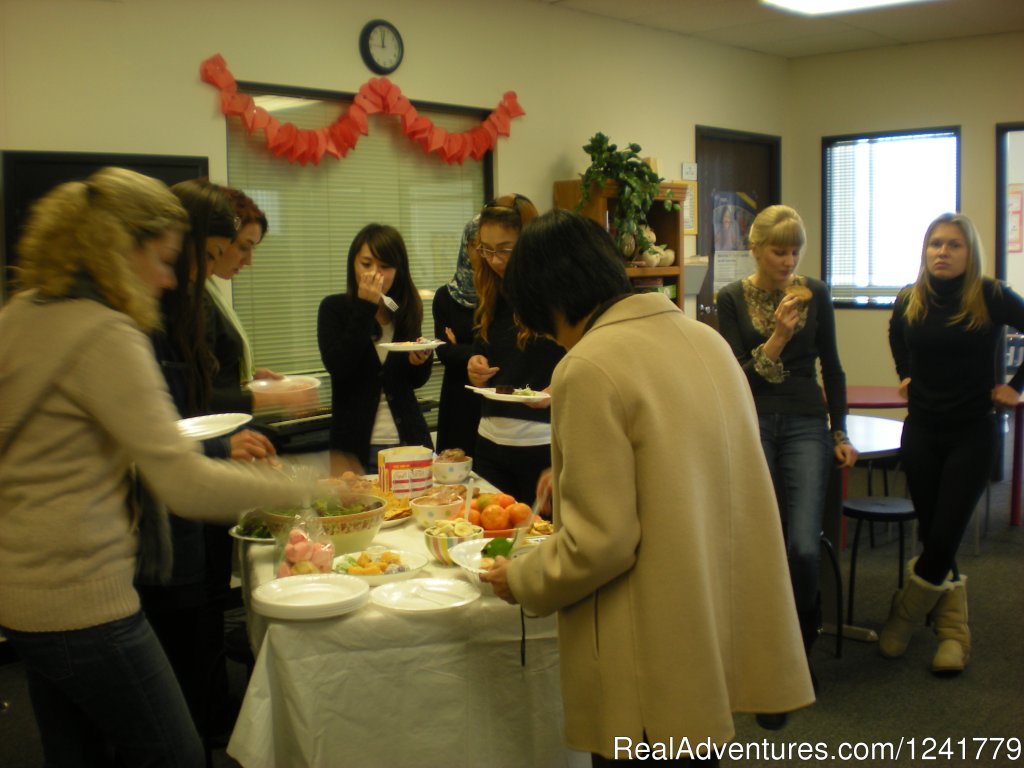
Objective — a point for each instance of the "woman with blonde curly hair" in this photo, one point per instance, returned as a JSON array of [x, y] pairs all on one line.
[[944, 334], [513, 443], [85, 408]]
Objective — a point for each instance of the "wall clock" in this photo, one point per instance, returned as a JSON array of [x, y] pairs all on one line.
[[381, 46]]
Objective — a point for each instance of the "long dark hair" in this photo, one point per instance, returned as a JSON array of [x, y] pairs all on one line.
[[210, 214], [387, 246]]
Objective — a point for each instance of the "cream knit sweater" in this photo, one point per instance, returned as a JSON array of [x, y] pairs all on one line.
[[81, 398]]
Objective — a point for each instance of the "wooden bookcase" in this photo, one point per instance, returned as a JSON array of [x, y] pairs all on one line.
[[667, 225]]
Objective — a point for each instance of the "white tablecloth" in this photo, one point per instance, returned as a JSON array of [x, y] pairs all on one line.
[[383, 688]]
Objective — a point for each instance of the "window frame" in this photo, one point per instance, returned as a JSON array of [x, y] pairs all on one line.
[[827, 142]]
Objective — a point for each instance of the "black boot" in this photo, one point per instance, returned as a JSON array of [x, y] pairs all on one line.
[[810, 628]]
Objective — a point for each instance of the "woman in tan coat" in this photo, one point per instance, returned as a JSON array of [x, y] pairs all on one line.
[[667, 567]]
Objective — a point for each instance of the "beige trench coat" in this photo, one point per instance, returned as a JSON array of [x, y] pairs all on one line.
[[668, 568]]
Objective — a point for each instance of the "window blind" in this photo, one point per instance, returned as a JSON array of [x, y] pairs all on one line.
[[315, 211], [881, 192]]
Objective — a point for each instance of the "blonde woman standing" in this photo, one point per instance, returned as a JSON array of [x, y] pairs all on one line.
[[781, 326], [944, 334]]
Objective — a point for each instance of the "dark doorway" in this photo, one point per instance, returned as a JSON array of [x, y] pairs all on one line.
[[731, 163], [27, 176]]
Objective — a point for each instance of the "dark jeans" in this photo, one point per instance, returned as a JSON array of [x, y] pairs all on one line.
[[799, 454], [104, 688], [511, 469], [947, 470]]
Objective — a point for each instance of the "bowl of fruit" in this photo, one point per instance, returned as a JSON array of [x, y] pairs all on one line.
[[441, 538], [499, 514]]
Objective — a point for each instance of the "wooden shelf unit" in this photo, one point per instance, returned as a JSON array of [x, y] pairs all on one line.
[[667, 225]]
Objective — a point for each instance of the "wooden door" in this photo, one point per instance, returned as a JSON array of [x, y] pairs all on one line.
[[730, 163]]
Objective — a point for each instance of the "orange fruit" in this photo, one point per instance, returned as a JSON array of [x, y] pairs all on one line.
[[503, 499], [518, 513], [473, 505], [474, 516], [494, 517]]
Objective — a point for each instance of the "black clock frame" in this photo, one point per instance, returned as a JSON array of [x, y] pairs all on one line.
[[364, 46]]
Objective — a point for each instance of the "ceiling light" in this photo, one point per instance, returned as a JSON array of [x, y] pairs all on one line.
[[824, 7]]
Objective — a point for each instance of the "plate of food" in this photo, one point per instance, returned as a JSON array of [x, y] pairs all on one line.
[[284, 385], [380, 565], [311, 596], [425, 595], [410, 346], [214, 425], [507, 394]]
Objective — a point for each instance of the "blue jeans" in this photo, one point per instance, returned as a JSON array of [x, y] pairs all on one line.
[[799, 454], [107, 689]]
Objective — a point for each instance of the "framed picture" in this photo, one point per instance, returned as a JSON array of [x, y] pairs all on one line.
[[689, 208]]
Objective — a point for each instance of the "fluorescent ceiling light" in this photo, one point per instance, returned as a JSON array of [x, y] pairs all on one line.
[[824, 7]]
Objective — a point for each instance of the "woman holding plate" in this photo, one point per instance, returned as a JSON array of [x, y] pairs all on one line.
[[373, 392], [513, 443]]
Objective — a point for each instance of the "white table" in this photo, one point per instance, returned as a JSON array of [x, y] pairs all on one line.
[[383, 688]]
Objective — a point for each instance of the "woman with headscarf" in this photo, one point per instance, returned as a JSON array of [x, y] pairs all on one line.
[[454, 303]]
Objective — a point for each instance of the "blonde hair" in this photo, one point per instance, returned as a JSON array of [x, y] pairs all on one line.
[[513, 212], [972, 310], [777, 225], [89, 229]]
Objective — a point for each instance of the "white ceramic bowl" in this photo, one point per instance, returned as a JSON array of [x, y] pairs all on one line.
[[449, 472], [348, 533], [428, 513], [467, 556]]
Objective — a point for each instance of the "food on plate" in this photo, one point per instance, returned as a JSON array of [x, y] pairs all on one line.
[[451, 454], [303, 556], [397, 512], [452, 528], [397, 508], [541, 528], [504, 389], [799, 292], [365, 564], [527, 392]]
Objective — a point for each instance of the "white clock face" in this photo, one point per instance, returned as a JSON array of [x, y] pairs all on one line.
[[385, 47]]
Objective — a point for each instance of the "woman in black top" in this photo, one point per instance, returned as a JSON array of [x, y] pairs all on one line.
[[513, 440], [944, 335], [373, 394], [780, 325], [459, 412]]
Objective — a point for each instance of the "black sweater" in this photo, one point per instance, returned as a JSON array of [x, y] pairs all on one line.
[[799, 393], [953, 370], [459, 412], [530, 367], [344, 332]]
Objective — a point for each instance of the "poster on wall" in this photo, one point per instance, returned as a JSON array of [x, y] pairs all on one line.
[[733, 214], [1015, 218]]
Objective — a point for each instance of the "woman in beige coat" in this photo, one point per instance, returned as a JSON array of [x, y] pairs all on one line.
[[667, 567]]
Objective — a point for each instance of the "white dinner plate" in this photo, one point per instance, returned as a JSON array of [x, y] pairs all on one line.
[[310, 596], [425, 594], [490, 394], [214, 425], [414, 561], [234, 533], [410, 346], [285, 385]]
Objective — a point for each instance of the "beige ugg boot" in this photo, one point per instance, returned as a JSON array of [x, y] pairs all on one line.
[[950, 616], [910, 605]]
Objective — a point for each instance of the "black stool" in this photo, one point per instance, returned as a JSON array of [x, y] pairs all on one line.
[[875, 509]]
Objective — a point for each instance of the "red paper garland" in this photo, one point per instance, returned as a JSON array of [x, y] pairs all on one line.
[[376, 95]]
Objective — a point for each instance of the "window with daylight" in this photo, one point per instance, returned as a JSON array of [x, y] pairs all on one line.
[[881, 191], [315, 211]]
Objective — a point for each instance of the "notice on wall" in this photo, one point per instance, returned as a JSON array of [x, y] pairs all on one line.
[[730, 266], [1014, 218]]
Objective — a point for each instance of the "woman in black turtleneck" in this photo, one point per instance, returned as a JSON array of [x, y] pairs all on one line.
[[944, 333]]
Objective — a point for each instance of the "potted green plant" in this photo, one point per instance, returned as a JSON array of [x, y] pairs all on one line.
[[638, 186]]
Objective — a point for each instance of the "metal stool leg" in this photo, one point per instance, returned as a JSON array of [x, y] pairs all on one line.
[[831, 552], [853, 571]]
